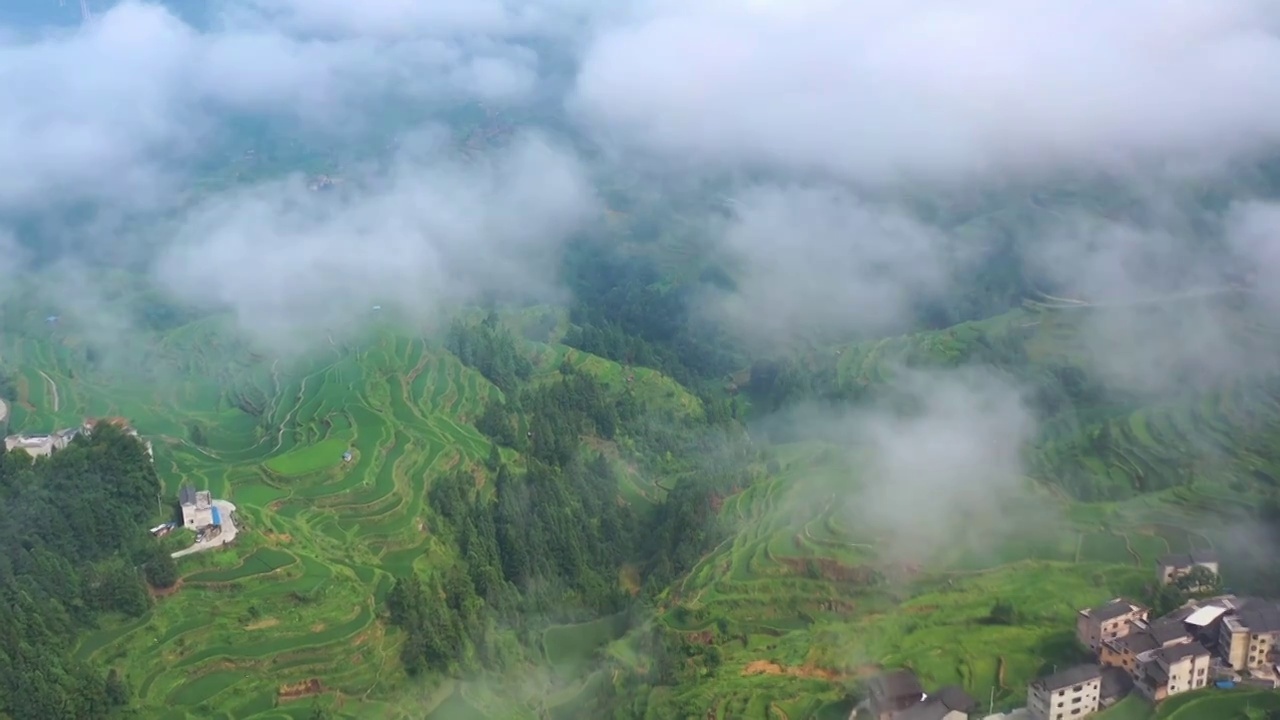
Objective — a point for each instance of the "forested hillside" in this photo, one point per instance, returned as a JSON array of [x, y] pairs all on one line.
[[73, 549]]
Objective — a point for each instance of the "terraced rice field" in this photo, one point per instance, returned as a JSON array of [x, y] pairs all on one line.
[[297, 597], [788, 591]]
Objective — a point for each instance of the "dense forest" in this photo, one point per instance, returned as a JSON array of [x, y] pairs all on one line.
[[73, 546], [552, 540]]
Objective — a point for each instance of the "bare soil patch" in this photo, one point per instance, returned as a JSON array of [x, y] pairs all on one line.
[[306, 688]]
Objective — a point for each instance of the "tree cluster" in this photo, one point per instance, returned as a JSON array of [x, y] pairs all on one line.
[[491, 349], [550, 541], [73, 545], [625, 310]]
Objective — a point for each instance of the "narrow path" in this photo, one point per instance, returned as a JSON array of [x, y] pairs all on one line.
[[1068, 303], [53, 387]]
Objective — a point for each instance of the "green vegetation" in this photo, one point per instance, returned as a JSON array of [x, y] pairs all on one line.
[[313, 458], [559, 514], [75, 548], [371, 583]]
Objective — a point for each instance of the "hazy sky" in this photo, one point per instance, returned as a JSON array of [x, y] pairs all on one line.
[[112, 109], [833, 109], [296, 264], [935, 90]]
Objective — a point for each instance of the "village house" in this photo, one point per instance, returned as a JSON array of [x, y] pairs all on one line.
[[1194, 645], [892, 693], [1173, 669], [36, 445], [45, 445], [1123, 651], [948, 703], [1171, 567], [1072, 693], [1094, 626], [197, 507], [899, 696], [1248, 636]]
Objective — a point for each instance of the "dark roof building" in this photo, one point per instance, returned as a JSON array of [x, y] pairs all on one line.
[[949, 699], [1112, 610], [1166, 630], [1136, 642], [1067, 678], [894, 692], [187, 495], [1195, 557], [1174, 653]]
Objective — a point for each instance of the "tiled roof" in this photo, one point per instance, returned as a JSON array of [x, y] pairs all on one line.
[[1067, 678], [1167, 630], [1188, 559], [1174, 653], [1137, 642], [1259, 617], [955, 698], [1113, 609], [896, 684]]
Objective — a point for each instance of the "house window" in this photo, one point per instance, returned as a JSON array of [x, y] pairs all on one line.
[[1077, 688]]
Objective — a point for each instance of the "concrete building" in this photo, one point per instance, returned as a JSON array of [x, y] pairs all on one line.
[[899, 696], [1115, 619], [1173, 669], [36, 445], [1171, 567], [892, 693], [1072, 693], [1123, 652], [948, 703], [45, 445], [197, 507], [1248, 636]]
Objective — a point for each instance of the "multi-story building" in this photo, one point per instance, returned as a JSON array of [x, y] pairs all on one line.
[[197, 507], [1248, 636], [1173, 669], [1115, 619], [1072, 693], [1143, 636]]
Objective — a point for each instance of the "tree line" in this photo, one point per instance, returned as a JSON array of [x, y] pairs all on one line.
[[73, 546]]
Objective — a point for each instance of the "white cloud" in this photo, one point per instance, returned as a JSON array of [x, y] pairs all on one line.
[[809, 258], [887, 91], [437, 18], [112, 110], [294, 263], [939, 472]]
